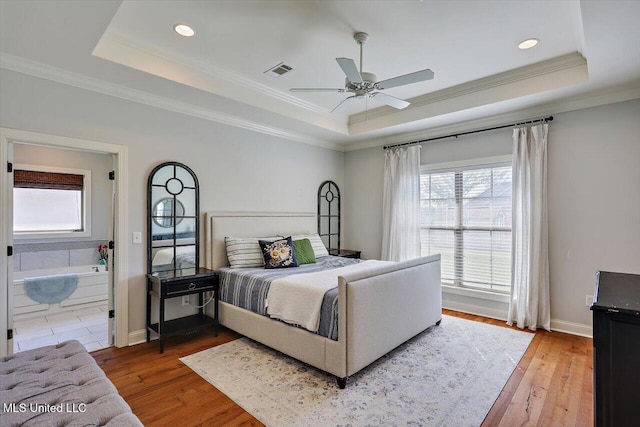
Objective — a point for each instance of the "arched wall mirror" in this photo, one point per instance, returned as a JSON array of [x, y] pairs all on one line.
[[173, 225], [329, 214]]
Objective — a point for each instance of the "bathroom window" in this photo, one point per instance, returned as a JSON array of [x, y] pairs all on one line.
[[51, 202]]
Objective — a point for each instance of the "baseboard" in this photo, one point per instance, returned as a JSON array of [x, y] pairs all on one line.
[[556, 324], [137, 337], [478, 310], [140, 336], [572, 328]]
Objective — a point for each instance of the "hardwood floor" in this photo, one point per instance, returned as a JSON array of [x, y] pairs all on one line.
[[551, 386]]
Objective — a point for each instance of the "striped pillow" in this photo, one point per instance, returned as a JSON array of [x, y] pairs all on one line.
[[245, 252], [316, 243]]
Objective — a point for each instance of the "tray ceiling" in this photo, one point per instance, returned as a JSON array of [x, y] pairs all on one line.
[[470, 45]]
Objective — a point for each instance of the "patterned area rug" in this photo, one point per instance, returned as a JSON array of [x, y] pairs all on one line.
[[449, 375]]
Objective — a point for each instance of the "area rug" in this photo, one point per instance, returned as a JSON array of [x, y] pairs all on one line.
[[449, 375]]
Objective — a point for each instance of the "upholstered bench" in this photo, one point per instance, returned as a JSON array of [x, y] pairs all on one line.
[[59, 385]]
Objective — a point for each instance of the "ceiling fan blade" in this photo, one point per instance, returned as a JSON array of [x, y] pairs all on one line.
[[406, 79], [350, 70], [344, 103], [391, 101], [315, 89]]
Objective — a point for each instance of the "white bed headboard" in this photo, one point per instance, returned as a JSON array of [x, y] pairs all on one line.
[[219, 225]]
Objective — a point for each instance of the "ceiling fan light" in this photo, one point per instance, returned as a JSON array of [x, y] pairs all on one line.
[[528, 43], [184, 30]]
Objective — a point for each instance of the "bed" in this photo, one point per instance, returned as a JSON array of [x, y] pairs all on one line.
[[170, 254], [378, 309], [163, 259]]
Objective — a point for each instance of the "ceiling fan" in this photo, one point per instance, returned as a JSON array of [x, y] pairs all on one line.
[[363, 84]]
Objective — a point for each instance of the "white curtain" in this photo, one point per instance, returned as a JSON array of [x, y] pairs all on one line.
[[401, 204], [529, 306]]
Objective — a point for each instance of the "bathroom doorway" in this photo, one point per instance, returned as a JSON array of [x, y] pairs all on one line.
[[62, 216], [53, 286]]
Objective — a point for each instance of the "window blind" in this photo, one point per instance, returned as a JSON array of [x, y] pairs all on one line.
[[466, 217], [47, 180]]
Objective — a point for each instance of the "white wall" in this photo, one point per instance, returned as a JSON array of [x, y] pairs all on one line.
[[594, 201], [237, 169]]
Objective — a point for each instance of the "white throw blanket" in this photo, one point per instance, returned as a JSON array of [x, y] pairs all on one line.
[[298, 298]]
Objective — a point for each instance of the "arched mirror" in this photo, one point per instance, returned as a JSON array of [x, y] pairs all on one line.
[[329, 215], [173, 225]]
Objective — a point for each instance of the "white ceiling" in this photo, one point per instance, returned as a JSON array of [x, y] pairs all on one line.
[[589, 53]]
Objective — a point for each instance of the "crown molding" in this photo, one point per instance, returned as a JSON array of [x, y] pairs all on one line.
[[561, 63], [202, 67], [202, 76], [69, 78], [610, 95], [25, 66]]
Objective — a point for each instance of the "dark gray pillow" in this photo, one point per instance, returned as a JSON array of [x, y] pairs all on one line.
[[278, 253]]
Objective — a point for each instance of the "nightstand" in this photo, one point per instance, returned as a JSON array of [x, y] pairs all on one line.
[[345, 253], [178, 283]]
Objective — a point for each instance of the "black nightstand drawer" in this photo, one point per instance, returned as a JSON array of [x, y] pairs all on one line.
[[164, 285], [187, 287], [345, 253]]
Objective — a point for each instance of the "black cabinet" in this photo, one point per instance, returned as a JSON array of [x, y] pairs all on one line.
[[616, 349], [178, 283]]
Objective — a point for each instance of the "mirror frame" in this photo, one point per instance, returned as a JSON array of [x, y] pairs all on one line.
[[324, 188], [151, 204]]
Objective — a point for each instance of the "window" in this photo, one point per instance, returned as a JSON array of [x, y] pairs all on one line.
[[50, 202], [466, 217]]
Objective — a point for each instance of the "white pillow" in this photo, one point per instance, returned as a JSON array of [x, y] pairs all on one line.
[[316, 243], [245, 252]]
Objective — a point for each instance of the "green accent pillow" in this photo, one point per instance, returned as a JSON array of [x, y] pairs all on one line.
[[304, 252]]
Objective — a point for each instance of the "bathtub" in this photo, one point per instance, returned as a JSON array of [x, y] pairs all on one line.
[[92, 291]]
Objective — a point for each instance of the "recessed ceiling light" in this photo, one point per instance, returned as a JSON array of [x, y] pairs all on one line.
[[528, 43], [184, 30]]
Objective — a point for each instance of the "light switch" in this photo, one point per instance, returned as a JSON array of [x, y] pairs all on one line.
[[137, 237]]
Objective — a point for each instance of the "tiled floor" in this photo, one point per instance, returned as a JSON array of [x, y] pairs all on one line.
[[87, 325]]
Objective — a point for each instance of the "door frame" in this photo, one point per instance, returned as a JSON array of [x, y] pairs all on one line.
[[120, 267]]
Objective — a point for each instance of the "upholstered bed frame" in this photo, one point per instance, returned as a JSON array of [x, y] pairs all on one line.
[[377, 310]]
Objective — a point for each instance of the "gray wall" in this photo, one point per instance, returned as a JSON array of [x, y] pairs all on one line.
[[238, 170], [594, 202], [594, 176], [594, 199], [30, 254]]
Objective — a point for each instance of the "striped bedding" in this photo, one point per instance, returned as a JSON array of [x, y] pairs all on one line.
[[248, 287]]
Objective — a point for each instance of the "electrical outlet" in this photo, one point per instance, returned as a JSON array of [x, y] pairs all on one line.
[[589, 300], [185, 300]]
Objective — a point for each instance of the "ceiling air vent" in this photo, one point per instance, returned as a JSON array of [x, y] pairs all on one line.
[[278, 70]]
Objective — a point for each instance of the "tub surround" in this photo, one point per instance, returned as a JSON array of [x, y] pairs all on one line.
[[36, 256]]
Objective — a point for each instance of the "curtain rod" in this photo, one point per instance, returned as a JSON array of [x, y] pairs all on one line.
[[455, 135]]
